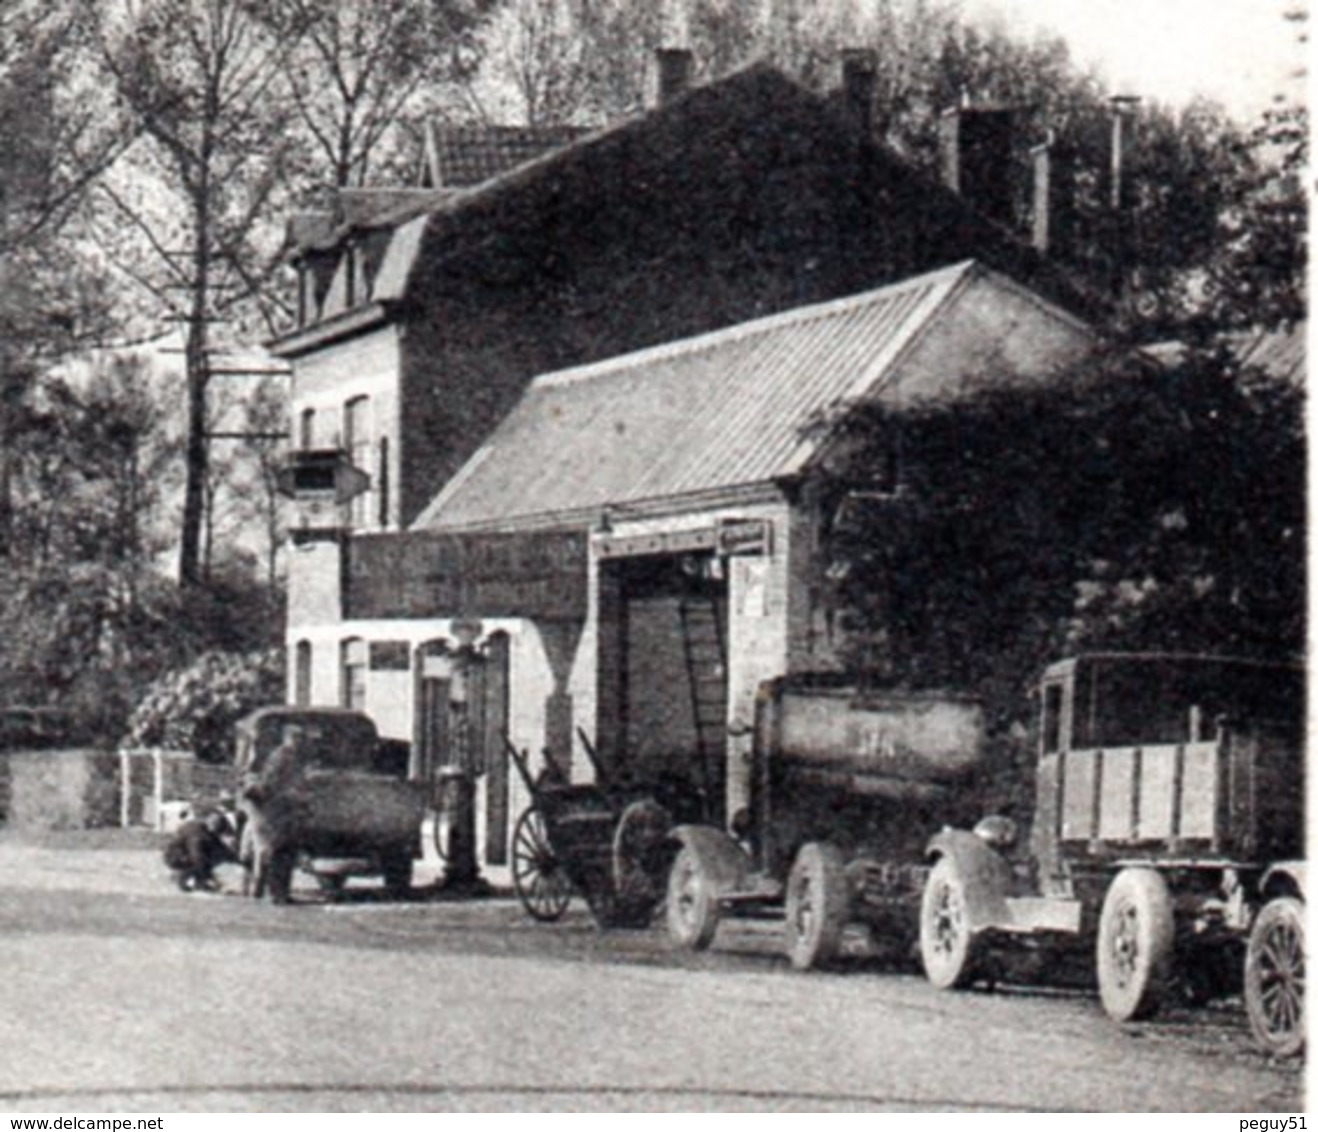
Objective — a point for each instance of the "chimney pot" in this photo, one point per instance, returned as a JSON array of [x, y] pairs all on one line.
[[674, 72], [860, 68]]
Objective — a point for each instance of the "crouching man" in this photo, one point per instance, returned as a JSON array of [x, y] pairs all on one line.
[[194, 851]]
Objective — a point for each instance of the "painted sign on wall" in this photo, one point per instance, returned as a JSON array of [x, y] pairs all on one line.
[[539, 574]]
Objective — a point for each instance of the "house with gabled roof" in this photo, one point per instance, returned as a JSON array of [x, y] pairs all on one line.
[[449, 491]]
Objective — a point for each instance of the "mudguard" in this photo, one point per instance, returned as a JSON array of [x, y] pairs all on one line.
[[986, 874], [723, 862], [1285, 877]]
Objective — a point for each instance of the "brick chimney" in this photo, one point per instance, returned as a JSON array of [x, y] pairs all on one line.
[[859, 79], [975, 146], [674, 72]]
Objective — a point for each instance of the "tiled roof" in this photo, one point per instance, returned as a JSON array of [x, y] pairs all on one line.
[[723, 410], [462, 156]]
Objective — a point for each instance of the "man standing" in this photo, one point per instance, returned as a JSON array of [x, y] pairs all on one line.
[[274, 800]]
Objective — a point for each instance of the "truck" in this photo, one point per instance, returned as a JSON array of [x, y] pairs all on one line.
[[1166, 842], [847, 785], [351, 812]]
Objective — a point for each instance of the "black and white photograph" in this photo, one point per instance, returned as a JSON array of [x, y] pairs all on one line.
[[653, 556]]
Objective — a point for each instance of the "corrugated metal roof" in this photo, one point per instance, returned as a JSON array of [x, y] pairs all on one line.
[[718, 411]]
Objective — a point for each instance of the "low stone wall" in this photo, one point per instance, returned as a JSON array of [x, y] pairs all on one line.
[[77, 789]]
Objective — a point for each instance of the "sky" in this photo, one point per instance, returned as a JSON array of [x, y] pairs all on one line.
[[1238, 52]]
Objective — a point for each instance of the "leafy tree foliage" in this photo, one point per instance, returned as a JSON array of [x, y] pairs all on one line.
[[1122, 508], [194, 708]]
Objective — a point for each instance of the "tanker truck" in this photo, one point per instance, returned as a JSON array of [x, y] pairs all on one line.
[[847, 786]]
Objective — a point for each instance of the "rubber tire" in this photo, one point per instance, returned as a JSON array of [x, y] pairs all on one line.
[[818, 905], [397, 871], [692, 909], [949, 948], [1274, 960], [1136, 931], [279, 875]]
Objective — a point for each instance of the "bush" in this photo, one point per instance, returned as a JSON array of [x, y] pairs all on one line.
[[195, 708]]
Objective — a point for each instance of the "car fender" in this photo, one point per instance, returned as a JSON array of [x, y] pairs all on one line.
[[987, 876], [725, 863]]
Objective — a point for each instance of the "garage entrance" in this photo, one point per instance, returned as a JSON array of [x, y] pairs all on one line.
[[663, 670]]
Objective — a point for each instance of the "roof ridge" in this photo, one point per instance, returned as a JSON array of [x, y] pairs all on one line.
[[712, 339]]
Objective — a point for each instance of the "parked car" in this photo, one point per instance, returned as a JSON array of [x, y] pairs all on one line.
[[349, 810], [1167, 832]]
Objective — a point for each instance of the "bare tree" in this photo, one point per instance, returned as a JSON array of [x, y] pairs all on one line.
[[361, 67], [205, 81]]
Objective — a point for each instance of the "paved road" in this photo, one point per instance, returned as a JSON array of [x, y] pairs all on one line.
[[121, 993]]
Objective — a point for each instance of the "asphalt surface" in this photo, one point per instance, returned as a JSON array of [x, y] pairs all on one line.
[[122, 993]]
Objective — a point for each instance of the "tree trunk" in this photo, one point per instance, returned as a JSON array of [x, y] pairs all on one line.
[[197, 450]]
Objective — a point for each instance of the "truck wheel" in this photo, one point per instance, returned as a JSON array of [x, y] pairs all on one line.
[[818, 905], [1274, 977], [279, 875], [397, 872], [947, 944], [693, 911], [1135, 933]]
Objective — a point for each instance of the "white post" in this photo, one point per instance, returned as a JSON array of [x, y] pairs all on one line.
[[125, 786], [159, 757]]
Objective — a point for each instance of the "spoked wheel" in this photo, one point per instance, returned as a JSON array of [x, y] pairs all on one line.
[[1274, 977], [1135, 932], [947, 943], [542, 886]]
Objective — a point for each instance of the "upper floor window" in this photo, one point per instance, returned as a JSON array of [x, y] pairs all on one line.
[[306, 430], [357, 442]]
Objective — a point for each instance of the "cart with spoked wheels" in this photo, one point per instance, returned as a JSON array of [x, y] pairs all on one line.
[[609, 844]]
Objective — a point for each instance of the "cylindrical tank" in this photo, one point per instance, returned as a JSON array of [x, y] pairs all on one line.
[[917, 738]]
